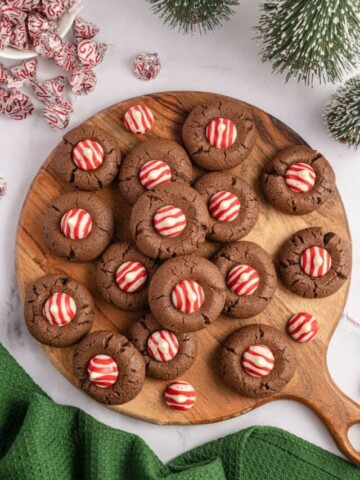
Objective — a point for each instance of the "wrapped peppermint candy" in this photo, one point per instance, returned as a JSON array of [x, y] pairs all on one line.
[[25, 72], [47, 44], [53, 9], [84, 30], [19, 37], [36, 23], [67, 58], [91, 53], [82, 81], [16, 105], [25, 5], [5, 33], [4, 74], [12, 14], [147, 66], [57, 116], [51, 91]]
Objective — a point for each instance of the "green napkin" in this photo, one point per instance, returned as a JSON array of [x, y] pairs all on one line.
[[40, 440]]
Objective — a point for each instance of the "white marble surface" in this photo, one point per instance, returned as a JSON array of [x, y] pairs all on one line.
[[227, 62]]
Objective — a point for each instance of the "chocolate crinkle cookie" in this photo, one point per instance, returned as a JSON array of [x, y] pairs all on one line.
[[257, 361], [152, 163], [232, 205], [250, 278], [167, 354], [58, 310], [78, 226], [220, 134], [109, 368], [88, 158], [298, 180], [315, 263]]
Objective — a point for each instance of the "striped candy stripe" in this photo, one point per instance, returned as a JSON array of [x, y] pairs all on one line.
[[59, 309], [153, 173], [139, 119], [162, 346], [300, 177], [76, 224], [131, 276], [88, 155], [103, 371], [303, 327], [224, 206], [221, 133], [188, 296], [258, 360], [315, 261], [243, 280], [180, 396], [169, 221]]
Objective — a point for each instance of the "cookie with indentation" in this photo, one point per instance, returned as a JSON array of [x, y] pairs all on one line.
[[88, 158], [298, 180]]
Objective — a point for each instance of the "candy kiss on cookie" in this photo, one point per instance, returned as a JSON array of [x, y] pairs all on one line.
[[139, 119], [187, 296], [243, 280], [300, 177], [59, 309], [221, 133], [154, 173], [258, 360], [180, 396], [88, 155], [162, 345], [76, 224], [224, 206], [303, 327], [315, 261], [169, 221], [131, 276], [103, 371]]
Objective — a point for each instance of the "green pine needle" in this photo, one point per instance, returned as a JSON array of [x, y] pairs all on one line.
[[191, 15], [311, 39], [342, 114]]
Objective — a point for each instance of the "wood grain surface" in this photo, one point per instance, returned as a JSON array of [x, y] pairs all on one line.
[[311, 385]]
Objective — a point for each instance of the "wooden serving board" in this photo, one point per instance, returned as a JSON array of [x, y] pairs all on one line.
[[311, 384]]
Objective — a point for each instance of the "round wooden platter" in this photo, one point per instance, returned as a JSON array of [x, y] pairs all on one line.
[[311, 384]]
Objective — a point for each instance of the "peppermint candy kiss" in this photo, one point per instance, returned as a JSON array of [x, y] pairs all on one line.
[[169, 221], [258, 360], [88, 155], [154, 173], [300, 177], [162, 346], [103, 371], [315, 261], [139, 119], [303, 327], [221, 133], [180, 396], [76, 224], [224, 206], [131, 277], [188, 296], [243, 280], [59, 309]]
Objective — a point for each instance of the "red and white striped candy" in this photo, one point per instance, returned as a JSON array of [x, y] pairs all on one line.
[[169, 221], [224, 206], [103, 371], [76, 224], [59, 309], [131, 277], [300, 177], [303, 327], [243, 280], [162, 345], [258, 360], [315, 261], [154, 173], [187, 296], [180, 396], [139, 119], [88, 155], [221, 133]]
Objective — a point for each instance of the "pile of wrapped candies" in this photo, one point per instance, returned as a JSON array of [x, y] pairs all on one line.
[[33, 24]]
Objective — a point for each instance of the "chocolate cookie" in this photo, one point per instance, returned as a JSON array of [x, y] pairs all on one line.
[[315, 263], [220, 134], [298, 180], [123, 275], [152, 163], [240, 366], [167, 354], [186, 293], [232, 205], [109, 368], [170, 220], [78, 226], [58, 310], [250, 277], [88, 158]]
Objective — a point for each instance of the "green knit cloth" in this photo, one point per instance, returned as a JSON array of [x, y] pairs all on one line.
[[40, 440]]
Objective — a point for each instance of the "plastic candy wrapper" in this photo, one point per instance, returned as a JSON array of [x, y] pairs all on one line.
[[91, 53], [57, 116], [36, 23], [15, 105], [5, 33], [67, 58], [84, 30], [147, 66], [82, 81], [4, 74]]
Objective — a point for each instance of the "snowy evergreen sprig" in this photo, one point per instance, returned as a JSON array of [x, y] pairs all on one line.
[[191, 15], [310, 38], [342, 114]]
